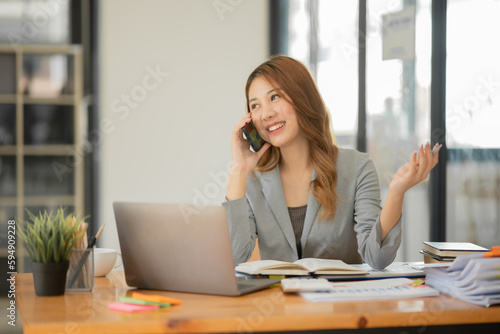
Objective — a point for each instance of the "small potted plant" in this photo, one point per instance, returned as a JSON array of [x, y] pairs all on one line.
[[49, 240]]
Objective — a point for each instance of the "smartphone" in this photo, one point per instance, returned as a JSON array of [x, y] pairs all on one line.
[[250, 133], [436, 149]]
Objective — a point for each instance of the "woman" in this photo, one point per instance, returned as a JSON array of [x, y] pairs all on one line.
[[300, 194]]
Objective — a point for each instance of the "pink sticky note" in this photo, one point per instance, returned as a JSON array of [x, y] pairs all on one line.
[[127, 307]]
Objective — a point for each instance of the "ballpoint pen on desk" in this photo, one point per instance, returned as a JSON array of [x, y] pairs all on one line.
[[84, 258]]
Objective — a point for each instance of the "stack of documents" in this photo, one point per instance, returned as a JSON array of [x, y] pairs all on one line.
[[394, 270], [319, 289], [473, 278]]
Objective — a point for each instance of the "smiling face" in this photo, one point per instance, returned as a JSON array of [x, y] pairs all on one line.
[[273, 116]]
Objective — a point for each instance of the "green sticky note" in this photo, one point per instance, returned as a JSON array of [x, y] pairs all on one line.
[[417, 282], [131, 300]]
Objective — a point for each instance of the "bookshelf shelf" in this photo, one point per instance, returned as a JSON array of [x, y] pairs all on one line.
[[49, 200], [58, 150], [61, 150], [8, 150], [8, 200], [8, 98], [64, 99], [67, 100]]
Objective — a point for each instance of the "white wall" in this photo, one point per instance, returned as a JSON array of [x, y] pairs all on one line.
[[176, 133]]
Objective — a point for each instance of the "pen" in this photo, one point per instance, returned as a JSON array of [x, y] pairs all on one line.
[[84, 258], [94, 238]]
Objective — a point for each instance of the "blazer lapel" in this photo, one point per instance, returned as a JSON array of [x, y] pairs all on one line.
[[311, 212], [272, 188]]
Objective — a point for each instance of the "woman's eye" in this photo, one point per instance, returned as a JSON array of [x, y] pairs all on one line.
[[274, 97], [253, 106]]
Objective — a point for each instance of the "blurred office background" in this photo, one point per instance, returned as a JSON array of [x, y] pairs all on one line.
[[142, 108]]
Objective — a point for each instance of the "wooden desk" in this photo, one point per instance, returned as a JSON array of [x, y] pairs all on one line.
[[266, 310]]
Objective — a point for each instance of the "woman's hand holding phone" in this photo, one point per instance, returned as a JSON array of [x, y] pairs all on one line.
[[250, 133], [243, 161], [242, 157]]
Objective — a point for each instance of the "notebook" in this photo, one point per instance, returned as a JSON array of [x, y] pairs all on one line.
[[179, 247]]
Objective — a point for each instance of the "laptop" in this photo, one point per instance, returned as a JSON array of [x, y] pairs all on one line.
[[181, 248]]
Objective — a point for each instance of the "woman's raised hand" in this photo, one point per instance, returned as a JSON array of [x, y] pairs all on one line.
[[243, 159], [414, 171]]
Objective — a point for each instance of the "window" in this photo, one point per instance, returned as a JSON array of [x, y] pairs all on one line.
[[334, 61], [324, 35], [472, 120]]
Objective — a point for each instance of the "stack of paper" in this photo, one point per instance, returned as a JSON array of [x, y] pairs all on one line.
[[471, 277], [394, 270], [321, 290]]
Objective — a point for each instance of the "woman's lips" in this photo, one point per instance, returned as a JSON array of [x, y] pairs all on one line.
[[276, 127]]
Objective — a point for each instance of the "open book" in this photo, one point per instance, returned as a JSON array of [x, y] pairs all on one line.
[[302, 267]]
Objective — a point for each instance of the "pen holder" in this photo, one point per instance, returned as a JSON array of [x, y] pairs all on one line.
[[80, 276]]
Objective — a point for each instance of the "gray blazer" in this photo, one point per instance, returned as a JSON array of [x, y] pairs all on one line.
[[353, 236]]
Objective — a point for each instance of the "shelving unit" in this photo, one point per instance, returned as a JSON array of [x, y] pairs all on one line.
[[41, 133]]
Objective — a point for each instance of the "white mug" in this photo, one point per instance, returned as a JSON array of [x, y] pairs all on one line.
[[104, 261]]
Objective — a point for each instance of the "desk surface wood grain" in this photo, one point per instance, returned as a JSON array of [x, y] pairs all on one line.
[[266, 310]]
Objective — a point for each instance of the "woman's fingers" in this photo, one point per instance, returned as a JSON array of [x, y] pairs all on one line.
[[237, 132], [263, 150], [422, 161], [418, 167], [413, 160], [428, 158], [242, 123], [435, 157], [426, 161]]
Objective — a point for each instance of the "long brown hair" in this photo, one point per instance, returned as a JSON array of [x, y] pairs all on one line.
[[293, 78]]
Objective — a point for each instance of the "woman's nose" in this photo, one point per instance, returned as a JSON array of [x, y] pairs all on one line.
[[267, 111]]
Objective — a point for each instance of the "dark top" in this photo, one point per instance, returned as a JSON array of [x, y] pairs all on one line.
[[298, 216]]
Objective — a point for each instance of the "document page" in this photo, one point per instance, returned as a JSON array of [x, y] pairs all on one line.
[[372, 289]]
